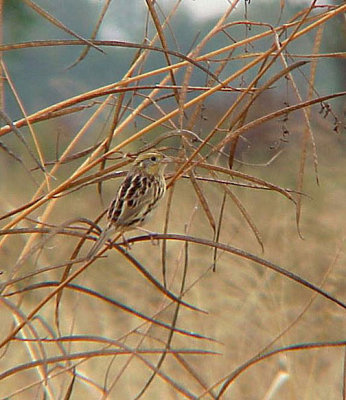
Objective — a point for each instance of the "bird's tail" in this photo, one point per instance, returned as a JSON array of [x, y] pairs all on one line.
[[105, 234]]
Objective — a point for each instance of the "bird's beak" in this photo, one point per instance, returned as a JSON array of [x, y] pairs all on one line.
[[167, 160]]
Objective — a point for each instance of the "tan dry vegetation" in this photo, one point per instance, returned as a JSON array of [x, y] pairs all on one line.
[[108, 328]]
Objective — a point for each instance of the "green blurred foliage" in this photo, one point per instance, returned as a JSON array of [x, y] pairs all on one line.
[[42, 77], [18, 19]]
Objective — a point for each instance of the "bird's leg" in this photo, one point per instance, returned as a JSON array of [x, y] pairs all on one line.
[[127, 245], [152, 235]]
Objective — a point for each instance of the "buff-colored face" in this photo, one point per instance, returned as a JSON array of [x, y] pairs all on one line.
[[152, 163]]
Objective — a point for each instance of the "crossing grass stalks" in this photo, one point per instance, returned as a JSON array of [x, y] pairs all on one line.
[[239, 291]]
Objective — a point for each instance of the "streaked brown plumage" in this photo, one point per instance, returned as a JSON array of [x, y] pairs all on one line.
[[138, 195]]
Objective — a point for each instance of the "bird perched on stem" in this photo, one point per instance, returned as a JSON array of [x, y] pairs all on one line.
[[138, 195]]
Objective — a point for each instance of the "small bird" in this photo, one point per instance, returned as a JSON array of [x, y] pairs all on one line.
[[138, 195]]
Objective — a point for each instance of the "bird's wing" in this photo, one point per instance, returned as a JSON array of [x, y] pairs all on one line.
[[132, 203]]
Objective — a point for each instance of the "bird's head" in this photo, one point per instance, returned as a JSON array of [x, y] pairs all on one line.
[[152, 163]]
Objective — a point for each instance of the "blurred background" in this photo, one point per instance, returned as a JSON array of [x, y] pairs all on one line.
[[250, 308], [44, 75]]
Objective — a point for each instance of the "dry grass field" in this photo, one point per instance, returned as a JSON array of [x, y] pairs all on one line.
[[239, 291]]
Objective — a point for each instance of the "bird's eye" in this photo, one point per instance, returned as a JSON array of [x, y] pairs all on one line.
[[153, 158]]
